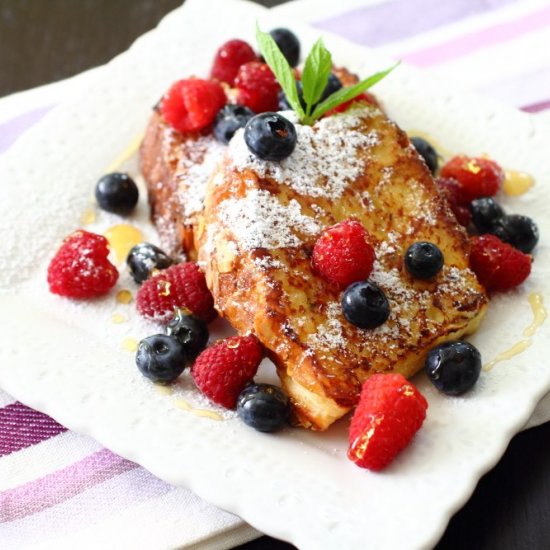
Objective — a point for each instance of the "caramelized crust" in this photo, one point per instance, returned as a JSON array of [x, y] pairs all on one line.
[[255, 238]]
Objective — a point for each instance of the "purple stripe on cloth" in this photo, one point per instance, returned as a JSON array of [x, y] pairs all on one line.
[[468, 43], [12, 129], [537, 107], [21, 427], [400, 19], [60, 486]]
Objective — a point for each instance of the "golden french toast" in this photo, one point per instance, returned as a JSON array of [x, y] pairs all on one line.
[[255, 237], [176, 167]]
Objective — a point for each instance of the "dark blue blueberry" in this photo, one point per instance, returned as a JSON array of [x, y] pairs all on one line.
[[270, 136], [288, 44], [117, 193], [229, 119], [486, 212], [263, 407], [144, 258], [519, 231], [191, 332], [333, 85], [161, 358], [427, 152], [453, 367], [365, 305], [423, 260]]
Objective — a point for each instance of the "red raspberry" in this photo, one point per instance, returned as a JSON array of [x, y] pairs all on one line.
[[182, 285], [229, 58], [342, 254], [192, 105], [390, 411], [498, 265], [80, 268], [258, 87], [222, 371], [451, 190], [363, 96], [477, 177]]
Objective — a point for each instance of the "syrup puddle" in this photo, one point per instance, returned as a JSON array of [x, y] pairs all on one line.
[[122, 238], [517, 183], [126, 155], [129, 344], [184, 405]]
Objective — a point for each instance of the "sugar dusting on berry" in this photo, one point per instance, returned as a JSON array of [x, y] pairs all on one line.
[[310, 170]]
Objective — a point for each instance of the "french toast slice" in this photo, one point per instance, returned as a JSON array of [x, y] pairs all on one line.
[[176, 167], [255, 238]]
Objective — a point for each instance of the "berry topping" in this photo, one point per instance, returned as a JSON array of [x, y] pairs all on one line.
[[519, 231], [390, 411], [450, 189], [288, 44], [222, 371], [485, 213], [477, 177], [270, 136], [343, 255], [191, 105], [117, 193], [161, 358], [229, 58], [80, 268], [365, 305], [423, 260], [263, 407], [453, 367], [498, 265], [180, 286], [257, 87], [144, 258], [229, 120], [190, 331], [333, 85], [427, 152]]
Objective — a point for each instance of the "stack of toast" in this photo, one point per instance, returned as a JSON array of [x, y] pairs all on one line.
[[252, 224]]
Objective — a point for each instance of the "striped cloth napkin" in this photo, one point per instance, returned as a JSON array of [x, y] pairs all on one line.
[[60, 489]]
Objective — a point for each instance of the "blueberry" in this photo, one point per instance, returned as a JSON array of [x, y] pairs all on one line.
[[161, 358], [453, 367], [144, 258], [519, 231], [191, 332], [270, 136], [229, 119], [263, 407], [288, 44], [365, 305], [333, 85], [117, 193], [427, 152], [423, 260], [485, 213]]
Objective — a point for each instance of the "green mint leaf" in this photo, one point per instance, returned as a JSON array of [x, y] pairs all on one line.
[[281, 69], [345, 94], [315, 75]]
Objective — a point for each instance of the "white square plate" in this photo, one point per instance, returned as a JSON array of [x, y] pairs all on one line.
[[66, 359]]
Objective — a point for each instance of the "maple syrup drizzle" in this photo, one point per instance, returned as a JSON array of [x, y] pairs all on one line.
[[122, 237], [539, 313], [205, 413], [516, 349], [129, 344], [126, 155], [164, 390], [118, 318], [124, 296], [88, 216], [517, 183]]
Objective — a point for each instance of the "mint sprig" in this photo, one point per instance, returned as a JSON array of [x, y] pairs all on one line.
[[317, 69]]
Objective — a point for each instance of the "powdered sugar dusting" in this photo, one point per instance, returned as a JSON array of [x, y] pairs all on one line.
[[259, 220], [330, 334], [310, 170]]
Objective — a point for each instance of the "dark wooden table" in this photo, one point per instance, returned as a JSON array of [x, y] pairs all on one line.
[[45, 40]]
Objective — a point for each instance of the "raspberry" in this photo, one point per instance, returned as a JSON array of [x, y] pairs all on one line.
[[342, 254], [452, 191], [229, 58], [363, 96], [498, 265], [477, 177], [257, 86], [222, 371], [180, 286], [390, 411], [192, 105], [80, 268]]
